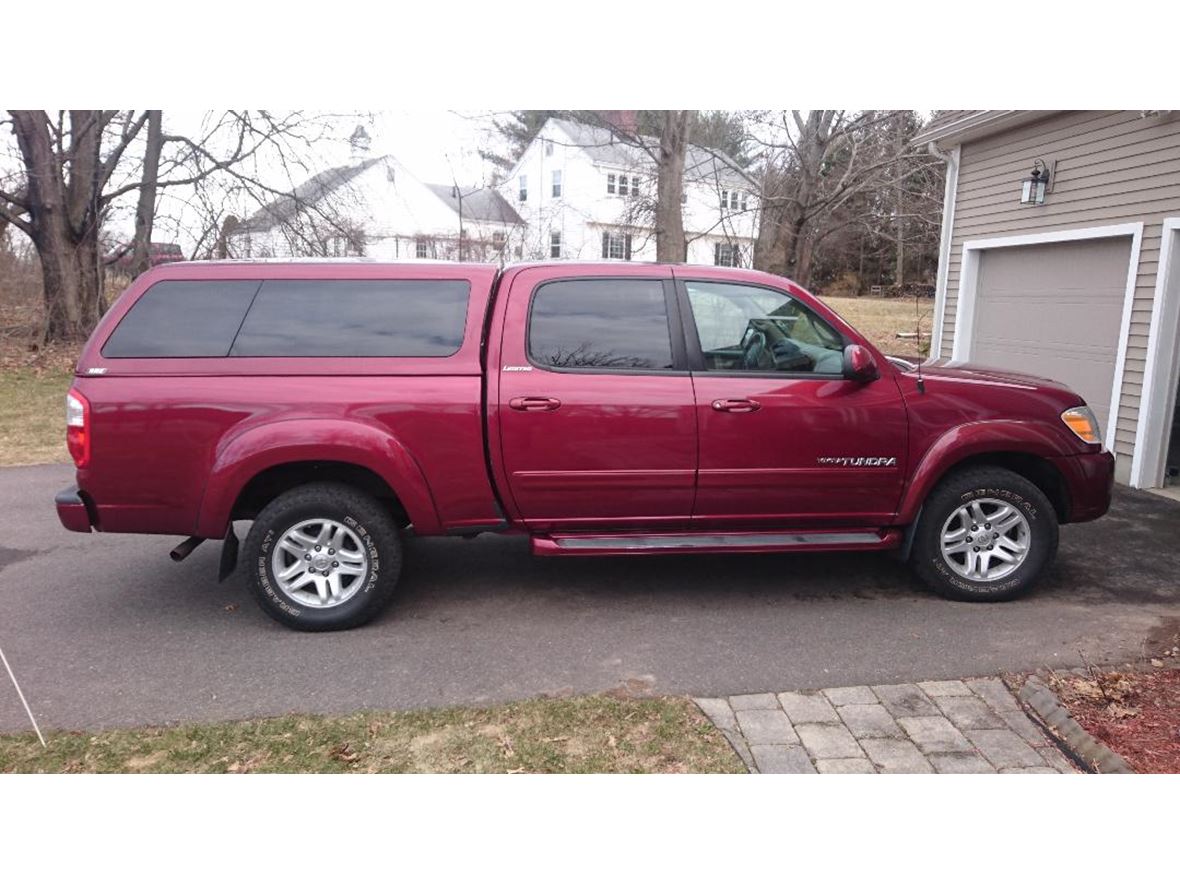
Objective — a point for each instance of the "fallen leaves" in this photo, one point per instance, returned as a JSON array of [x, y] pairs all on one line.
[[344, 753], [1136, 714]]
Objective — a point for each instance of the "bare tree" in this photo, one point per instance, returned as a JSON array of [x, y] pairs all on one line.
[[145, 210], [77, 165], [814, 165]]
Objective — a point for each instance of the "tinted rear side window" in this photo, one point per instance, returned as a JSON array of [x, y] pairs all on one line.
[[600, 324], [182, 318], [355, 318]]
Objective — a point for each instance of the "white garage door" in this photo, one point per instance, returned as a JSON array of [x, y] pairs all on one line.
[[1054, 310]]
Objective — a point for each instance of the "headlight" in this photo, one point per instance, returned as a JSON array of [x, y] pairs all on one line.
[[1083, 423]]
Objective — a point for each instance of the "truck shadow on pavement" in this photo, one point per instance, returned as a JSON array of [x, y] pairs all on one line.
[[1129, 556]]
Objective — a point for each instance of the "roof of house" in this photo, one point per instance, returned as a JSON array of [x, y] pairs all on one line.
[[485, 204], [320, 185], [605, 147], [949, 128]]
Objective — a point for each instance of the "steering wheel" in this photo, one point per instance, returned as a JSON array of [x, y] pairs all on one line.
[[754, 350]]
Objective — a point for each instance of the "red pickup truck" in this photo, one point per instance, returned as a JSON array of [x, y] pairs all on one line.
[[608, 408]]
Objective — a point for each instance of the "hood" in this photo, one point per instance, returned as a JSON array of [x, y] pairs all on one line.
[[991, 375]]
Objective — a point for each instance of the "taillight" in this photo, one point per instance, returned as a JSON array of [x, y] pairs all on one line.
[[78, 428]]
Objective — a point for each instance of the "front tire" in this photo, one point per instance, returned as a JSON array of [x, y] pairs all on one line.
[[323, 556], [985, 535]]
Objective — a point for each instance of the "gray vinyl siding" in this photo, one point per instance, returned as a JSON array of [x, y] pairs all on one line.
[[1113, 167]]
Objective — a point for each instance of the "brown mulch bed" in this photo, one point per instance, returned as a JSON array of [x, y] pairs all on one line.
[[1134, 712]]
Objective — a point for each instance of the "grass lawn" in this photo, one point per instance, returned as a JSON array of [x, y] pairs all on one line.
[[880, 319], [584, 735], [33, 403]]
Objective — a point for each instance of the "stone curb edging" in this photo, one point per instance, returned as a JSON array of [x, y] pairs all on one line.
[[1054, 718]]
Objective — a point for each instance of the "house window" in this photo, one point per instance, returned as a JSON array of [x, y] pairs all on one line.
[[498, 240], [555, 244], [683, 198], [420, 250], [733, 200], [623, 185], [548, 149], [557, 182], [524, 188], [610, 183], [727, 254], [616, 245]]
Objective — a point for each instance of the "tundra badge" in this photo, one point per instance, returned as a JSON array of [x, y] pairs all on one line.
[[858, 462]]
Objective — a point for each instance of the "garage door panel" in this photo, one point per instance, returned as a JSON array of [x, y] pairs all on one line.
[[1054, 310], [1063, 322], [1090, 263]]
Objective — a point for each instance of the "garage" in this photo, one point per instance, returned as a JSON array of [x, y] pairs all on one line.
[[1055, 310], [1060, 256]]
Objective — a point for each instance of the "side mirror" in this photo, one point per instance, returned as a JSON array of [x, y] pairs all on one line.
[[859, 364]]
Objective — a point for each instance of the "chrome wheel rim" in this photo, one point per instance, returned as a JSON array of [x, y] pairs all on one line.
[[985, 540], [319, 563]]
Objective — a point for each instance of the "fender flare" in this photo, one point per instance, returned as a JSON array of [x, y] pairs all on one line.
[[240, 458], [968, 440]]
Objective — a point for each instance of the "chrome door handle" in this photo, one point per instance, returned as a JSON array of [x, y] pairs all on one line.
[[736, 405], [534, 403]]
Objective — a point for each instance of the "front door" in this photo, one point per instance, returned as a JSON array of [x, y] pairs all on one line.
[[595, 404], [785, 439]]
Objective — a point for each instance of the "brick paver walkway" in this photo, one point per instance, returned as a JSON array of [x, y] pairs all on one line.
[[953, 727]]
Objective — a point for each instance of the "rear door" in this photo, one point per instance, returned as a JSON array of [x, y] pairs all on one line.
[[594, 406], [785, 439]]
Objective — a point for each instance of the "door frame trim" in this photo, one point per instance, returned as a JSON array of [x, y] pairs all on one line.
[[969, 286], [1162, 368], [949, 198]]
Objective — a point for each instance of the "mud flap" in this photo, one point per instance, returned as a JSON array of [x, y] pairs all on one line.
[[902, 553], [229, 555]]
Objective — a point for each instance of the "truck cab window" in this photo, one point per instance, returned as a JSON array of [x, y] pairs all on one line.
[[600, 324], [751, 329]]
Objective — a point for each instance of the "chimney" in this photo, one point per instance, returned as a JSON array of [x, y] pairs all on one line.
[[358, 142], [626, 122]]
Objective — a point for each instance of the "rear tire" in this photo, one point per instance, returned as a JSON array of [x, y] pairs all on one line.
[[985, 535], [297, 574]]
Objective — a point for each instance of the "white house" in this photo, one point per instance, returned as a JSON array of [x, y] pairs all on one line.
[[375, 207], [585, 194]]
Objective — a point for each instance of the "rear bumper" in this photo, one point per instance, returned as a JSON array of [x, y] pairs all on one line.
[[1090, 480], [71, 510]]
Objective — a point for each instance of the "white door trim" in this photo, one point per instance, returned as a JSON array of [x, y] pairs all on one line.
[[1162, 368], [969, 283]]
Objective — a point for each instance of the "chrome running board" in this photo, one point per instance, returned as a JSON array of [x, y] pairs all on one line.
[[713, 542]]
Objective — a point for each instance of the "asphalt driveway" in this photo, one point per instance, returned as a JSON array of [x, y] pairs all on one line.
[[104, 630]]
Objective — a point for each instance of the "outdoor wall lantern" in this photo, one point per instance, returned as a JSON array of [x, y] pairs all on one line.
[[1034, 188]]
